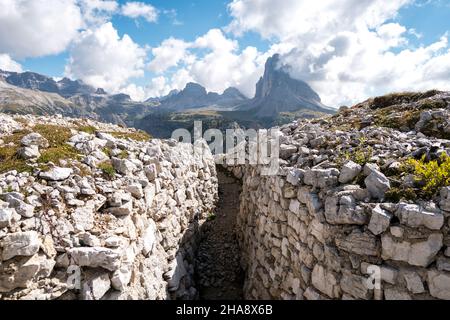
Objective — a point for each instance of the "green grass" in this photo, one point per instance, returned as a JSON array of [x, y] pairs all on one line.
[[9, 160], [430, 176], [138, 135], [87, 129], [57, 137], [123, 154], [107, 169], [360, 155]]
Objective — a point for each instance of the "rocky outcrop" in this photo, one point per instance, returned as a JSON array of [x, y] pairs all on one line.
[[344, 217], [278, 92], [115, 218]]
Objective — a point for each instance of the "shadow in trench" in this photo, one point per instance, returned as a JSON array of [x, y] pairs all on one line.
[[218, 274]]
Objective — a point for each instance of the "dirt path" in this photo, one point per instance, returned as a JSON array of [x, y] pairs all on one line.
[[219, 275]]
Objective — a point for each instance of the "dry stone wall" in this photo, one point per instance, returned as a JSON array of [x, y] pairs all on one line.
[[321, 229], [79, 230]]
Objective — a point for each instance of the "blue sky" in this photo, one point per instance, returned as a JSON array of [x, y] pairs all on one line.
[[183, 19], [380, 46]]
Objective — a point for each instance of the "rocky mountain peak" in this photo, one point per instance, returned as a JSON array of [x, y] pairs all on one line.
[[277, 91]]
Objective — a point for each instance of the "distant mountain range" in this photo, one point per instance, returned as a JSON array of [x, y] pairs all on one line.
[[278, 98]]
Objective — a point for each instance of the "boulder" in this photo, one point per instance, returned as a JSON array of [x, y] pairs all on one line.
[[349, 172], [20, 244], [30, 152], [415, 216], [34, 139], [6, 215], [379, 221], [56, 174], [377, 184], [95, 257]]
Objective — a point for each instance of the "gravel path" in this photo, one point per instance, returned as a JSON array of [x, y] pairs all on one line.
[[219, 275]]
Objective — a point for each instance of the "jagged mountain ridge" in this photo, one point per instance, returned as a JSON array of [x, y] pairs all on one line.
[[35, 81], [277, 91], [196, 96]]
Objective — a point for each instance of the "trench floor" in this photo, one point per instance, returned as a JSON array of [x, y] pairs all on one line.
[[218, 272]]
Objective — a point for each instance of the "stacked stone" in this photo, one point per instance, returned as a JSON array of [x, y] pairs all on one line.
[[132, 235], [322, 227]]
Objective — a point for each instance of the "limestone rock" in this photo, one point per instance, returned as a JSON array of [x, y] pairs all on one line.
[[20, 244], [34, 139], [377, 184], [95, 286], [56, 174], [30, 152], [6, 215], [414, 216], [414, 283], [416, 254], [349, 172], [379, 221], [359, 242], [95, 257], [439, 284], [325, 281]]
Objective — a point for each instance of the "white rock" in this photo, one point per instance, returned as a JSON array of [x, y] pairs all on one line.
[[122, 276], [136, 190], [349, 172], [25, 210], [56, 174], [20, 244], [325, 281], [151, 172], [379, 221], [417, 254], [29, 152], [415, 216], [123, 166], [95, 286], [149, 238], [175, 273], [294, 176], [6, 215], [414, 282], [439, 284], [34, 139], [83, 218], [377, 184], [95, 257]]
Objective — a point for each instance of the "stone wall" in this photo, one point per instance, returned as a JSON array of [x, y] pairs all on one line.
[[317, 229], [122, 216]]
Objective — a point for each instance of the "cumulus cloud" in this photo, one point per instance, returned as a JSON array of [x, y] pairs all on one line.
[[347, 50], [97, 12], [169, 54], [8, 64], [33, 28], [139, 9], [212, 60], [103, 59]]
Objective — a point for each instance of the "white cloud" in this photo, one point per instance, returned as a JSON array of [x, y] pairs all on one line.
[[212, 60], [8, 64], [32, 28], [169, 54], [139, 9], [293, 18], [96, 12], [103, 59], [347, 50]]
